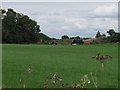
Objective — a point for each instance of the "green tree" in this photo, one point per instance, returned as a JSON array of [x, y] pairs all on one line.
[[9, 27], [19, 28], [104, 35], [98, 34], [77, 37], [2, 12], [114, 36], [111, 32], [28, 29], [64, 37], [44, 39]]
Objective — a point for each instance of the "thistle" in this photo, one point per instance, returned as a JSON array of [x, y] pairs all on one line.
[[54, 80], [102, 59]]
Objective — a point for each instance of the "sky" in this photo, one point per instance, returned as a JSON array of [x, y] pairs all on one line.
[[60, 0], [82, 19]]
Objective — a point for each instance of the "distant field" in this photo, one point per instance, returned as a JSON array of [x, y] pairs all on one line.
[[71, 62]]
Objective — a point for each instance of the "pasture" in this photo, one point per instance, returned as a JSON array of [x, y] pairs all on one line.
[[71, 62]]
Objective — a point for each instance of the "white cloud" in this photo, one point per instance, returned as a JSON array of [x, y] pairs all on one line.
[[106, 11]]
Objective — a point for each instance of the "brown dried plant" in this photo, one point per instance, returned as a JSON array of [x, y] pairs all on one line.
[[102, 59]]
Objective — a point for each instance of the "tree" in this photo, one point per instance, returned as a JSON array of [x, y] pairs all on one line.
[[9, 27], [65, 37], [2, 12], [114, 36], [111, 32], [44, 38], [77, 37], [104, 35], [29, 28], [19, 28], [98, 34]]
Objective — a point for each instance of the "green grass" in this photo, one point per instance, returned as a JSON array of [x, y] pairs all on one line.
[[71, 62]]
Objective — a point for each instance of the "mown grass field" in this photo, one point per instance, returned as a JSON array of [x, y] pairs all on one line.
[[71, 62]]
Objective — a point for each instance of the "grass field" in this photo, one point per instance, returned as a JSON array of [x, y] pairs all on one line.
[[71, 62]]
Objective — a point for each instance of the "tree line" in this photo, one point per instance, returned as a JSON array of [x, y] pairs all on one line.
[[112, 38]]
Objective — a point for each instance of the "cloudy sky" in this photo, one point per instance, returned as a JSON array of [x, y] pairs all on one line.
[[82, 19]]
